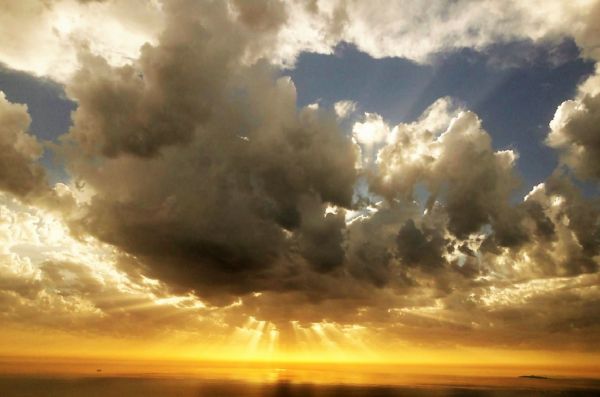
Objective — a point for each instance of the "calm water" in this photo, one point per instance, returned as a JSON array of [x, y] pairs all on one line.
[[40, 386]]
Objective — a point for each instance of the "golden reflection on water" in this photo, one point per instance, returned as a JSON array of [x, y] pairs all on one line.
[[270, 373]]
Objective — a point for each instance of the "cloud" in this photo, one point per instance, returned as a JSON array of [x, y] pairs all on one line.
[[51, 32], [458, 165], [372, 130], [344, 109], [222, 178], [321, 236], [253, 214], [372, 242], [203, 198], [416, 247], [419, 32], [49, 279], [574, 134], [20, 173], [575, 129], [42, 37]]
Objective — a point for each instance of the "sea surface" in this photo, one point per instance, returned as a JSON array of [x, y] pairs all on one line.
[[30, 386], [37, 378]]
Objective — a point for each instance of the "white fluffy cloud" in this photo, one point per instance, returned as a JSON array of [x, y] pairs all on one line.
[[416, 31], [370, 131], [344, 109], [44, 37], [575, 130], [449, 152]]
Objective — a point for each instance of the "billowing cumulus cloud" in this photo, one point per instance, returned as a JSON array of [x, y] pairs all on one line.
[[575, 131], [221, 176], [454, 158], [20, 173], [202, 198]]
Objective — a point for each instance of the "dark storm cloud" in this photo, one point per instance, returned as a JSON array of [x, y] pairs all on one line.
[[544, 227], [420, 247], [220, 175], [371, 246], [321, 238]]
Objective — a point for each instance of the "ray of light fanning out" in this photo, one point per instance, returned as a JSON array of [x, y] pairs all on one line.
[[75, 298]]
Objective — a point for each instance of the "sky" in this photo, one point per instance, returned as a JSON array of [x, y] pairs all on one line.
[[326, 180]]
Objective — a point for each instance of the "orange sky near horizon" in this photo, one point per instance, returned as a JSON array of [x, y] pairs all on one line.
[[24, 351]]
